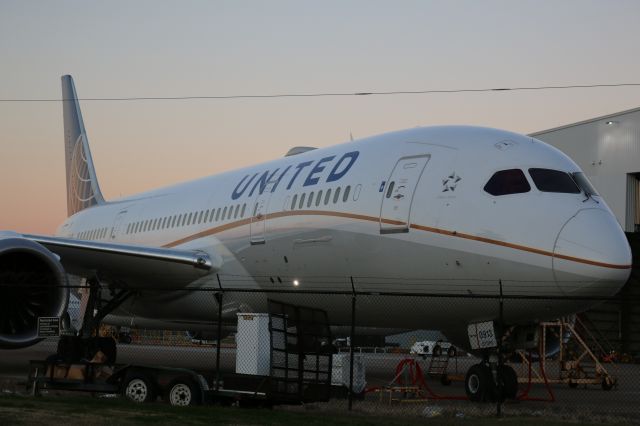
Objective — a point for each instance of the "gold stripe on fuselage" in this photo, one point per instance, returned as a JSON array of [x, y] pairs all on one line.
[[243, 222]]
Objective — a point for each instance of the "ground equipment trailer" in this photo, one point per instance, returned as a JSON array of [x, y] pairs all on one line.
[[138, 383]]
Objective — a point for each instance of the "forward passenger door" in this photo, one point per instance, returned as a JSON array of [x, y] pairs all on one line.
[[398, 193]]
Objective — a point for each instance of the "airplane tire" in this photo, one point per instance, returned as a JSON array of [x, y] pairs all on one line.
[[138, 387], [510, 381], [184, 392], [478, 384]]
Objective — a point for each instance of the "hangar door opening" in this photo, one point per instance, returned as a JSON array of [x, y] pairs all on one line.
[[398, 193], [632, 219]]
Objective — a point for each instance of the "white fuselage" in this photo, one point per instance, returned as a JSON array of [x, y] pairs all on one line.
[[407, 212]]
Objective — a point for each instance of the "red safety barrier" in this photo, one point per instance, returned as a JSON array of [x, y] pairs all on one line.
[[417, 379], [524, 396]]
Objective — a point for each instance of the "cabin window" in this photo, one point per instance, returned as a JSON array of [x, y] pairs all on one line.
[[301, 205], [319, 198], [327, 197], [235, 213], [345, 196], [244, 208], [200, 216], [356, 192], [224, 212], [230, 212], [336, 195], [390, 189], [310, 200], [547, 180], [218, 214], [504, 182], [293, 201]]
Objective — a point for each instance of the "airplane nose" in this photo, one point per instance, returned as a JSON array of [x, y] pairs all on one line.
[[591, 255]]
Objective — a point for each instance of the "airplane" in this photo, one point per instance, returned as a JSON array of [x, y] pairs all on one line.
[[444, 210]]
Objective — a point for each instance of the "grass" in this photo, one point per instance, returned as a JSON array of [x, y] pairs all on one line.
[[83, 410]]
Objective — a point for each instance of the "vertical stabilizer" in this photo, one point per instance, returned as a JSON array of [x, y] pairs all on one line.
[[83, 190]]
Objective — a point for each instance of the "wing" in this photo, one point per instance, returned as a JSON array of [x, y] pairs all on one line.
[[130, 265]]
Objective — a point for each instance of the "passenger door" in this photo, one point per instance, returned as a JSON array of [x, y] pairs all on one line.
[[260, 211], [117, 223], [398, 193]]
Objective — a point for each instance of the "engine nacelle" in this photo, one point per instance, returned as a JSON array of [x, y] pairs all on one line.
[[33, 284]]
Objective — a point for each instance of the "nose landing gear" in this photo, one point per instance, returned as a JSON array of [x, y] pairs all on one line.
[[487, 382]]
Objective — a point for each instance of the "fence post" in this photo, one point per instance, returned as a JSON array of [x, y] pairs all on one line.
[[352, 342], [218, 296], [499, 378]]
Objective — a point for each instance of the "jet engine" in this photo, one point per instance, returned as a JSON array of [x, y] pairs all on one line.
[[33, 284]]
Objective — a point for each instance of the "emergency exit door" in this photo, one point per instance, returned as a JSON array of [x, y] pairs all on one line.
[[399, 190]]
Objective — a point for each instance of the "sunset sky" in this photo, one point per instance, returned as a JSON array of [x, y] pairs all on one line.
[[194, 48]]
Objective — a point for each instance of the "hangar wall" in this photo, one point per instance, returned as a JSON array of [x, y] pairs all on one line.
[[607, 149]]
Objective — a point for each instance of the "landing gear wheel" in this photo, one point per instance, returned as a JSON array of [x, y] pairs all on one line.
[[478, 384], [452, 352], [510, 381], [437, 350], [138, 388], [183, 392]]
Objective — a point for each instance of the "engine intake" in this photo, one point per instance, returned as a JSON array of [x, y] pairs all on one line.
[[33, 284]]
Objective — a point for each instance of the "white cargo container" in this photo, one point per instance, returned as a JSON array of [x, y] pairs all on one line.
[[340, 372], [253, 353]]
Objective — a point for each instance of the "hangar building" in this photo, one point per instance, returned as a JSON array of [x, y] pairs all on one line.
[[607, 149]]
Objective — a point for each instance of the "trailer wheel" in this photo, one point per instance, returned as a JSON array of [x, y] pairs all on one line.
[[436, 351], [183, 392], [607, 383], [138, 388]]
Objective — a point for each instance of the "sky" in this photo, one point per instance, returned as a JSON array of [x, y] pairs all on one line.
[[153, 48]]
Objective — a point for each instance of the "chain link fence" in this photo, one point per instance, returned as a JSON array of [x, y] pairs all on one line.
[[346, 344]]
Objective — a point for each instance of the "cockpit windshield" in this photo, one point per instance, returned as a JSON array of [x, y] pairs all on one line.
[[547, 180], [584, 183], [507, 182]]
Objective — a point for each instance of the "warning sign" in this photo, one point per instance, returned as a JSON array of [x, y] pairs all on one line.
[[48, 326]]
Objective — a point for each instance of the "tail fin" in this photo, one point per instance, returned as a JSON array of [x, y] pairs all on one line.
[[83, 190]]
